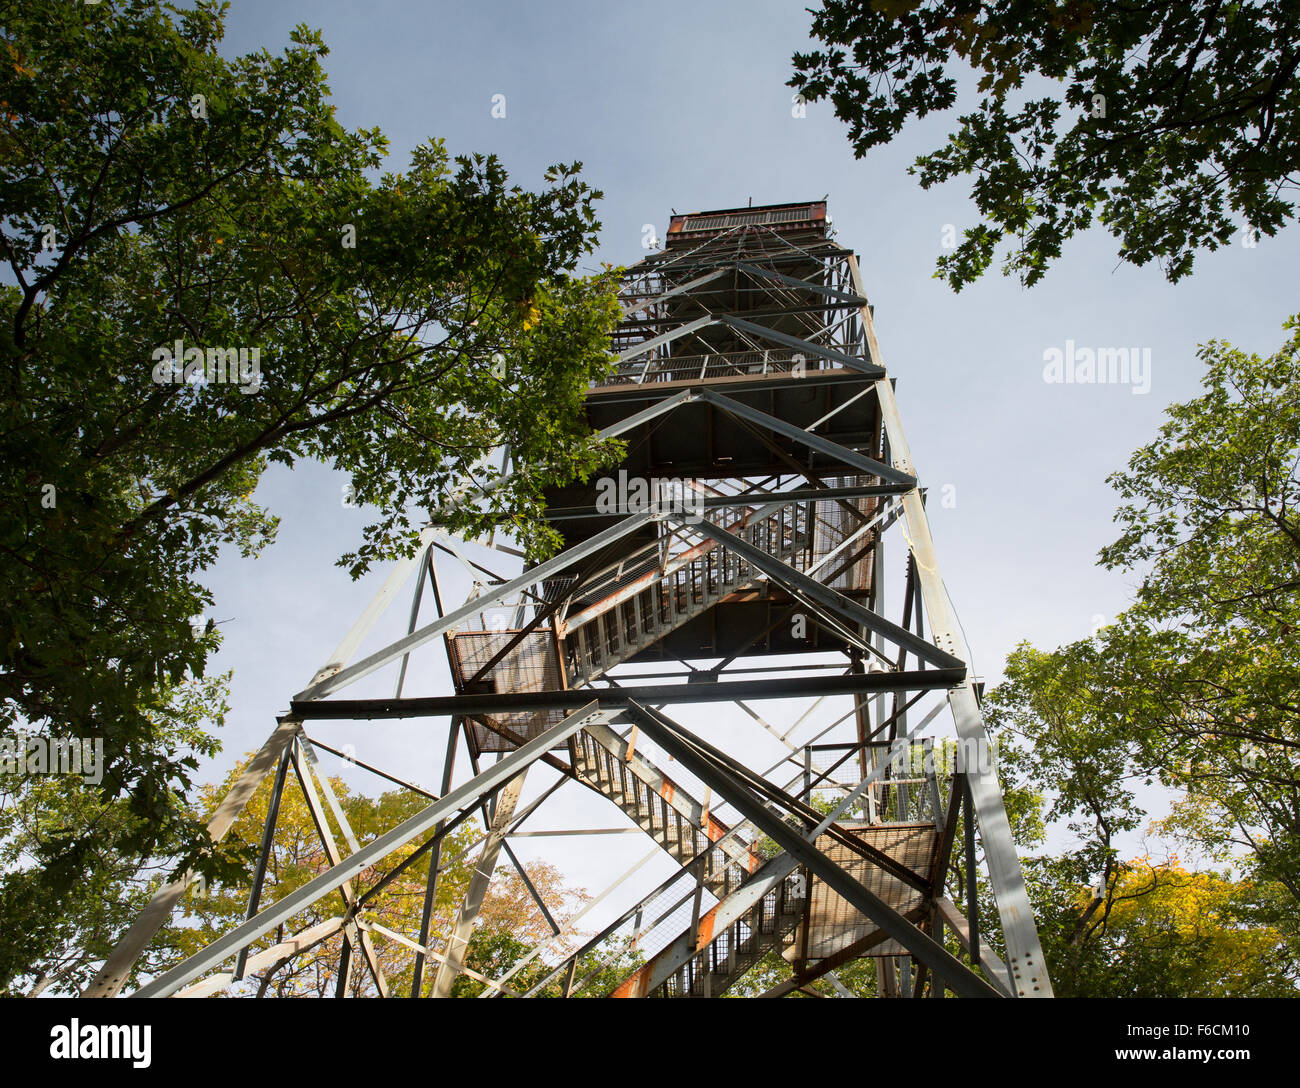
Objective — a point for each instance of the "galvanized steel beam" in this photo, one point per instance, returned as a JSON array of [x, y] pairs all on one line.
[[667, 694], [813, 441], [673, 738], [282, 910], [1024, 951], [452, 620]]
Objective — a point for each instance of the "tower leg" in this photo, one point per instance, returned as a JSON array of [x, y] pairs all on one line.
[[1024, 952], [113, 975], [502, 816]]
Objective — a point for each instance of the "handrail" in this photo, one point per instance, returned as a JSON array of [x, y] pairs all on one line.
[[653, 575]]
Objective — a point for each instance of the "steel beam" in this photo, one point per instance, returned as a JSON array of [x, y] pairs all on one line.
[[264, 851], [920, 944], [635, 420], [270, 958], [270, 917], [113, 975], [672, 292], [353, 936], [808, 438], [831, 598], [1024, 951], [668, 337], [802, 285], [736, 383], [435, 855], [762, 331], [752, 498], [839, 959], [667, 694], [982, 956], [457, 944], [452, 620]]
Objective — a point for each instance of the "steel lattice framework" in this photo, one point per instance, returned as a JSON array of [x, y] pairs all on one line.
[[749, 374]]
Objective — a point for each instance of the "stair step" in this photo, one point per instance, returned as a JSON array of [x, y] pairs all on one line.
[[715, 968], [650, 810], [622, 631]]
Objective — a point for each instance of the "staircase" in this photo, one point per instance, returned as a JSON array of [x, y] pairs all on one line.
[[620, 611], [623, 609], [708, 959], [639, 600], [759, 905], [661, 808], [780, 907]]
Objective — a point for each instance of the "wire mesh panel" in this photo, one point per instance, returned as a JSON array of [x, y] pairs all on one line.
[[834, 524], [530, 666], [833, 923]]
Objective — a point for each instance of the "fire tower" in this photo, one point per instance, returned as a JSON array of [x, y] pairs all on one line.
[[738, 554]]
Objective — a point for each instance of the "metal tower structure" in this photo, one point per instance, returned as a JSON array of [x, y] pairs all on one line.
[[739, 555]]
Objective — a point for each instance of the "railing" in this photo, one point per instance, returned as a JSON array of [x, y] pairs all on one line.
[[730, 364], [717, 966], [905, 790], [647, 596], [783, 531]]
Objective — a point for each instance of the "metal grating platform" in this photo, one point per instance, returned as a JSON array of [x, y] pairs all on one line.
[[833, 923], [530, 666]]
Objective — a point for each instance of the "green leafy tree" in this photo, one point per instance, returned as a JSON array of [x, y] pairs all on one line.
[[1210, 518], [407, 328], [55, 940], [212, 908], [495, 950], [1159, 930], [1174, 126], [1112, 927], [1062, 733], [1195, 687]]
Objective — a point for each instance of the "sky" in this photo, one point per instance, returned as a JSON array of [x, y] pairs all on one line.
[[685, 106]]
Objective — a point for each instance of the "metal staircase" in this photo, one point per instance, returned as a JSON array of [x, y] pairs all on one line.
[[639, 600], [709, 957], [779, 906], [667, 813]]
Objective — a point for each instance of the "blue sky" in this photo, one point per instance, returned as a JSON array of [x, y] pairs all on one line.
[[685, 106]]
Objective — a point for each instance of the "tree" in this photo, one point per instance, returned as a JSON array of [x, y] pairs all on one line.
[[1124, 928], [1211, 518], [494, 951], [1159, 930], [1061, 731], [1196, 686], [1175, 126], [208, 275], [55, 941], [1079, 726]]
